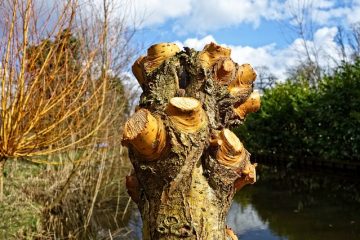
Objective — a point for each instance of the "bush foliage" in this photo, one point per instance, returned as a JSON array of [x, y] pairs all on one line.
[[299, 121]]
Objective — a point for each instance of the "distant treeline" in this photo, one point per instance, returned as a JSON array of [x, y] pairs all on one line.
[[298, 120]]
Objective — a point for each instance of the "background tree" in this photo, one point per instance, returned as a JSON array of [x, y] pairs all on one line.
[[302, 24], [314, 59], [265, 79]]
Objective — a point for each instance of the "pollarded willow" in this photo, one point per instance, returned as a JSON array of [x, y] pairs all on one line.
[[187, 162]]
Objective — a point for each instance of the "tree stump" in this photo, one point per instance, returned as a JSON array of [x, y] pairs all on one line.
[[187, 163]]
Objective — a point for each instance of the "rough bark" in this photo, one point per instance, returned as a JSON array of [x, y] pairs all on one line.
[[187, 163]]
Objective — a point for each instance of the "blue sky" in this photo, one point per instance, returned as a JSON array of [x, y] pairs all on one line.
[[257, 31]]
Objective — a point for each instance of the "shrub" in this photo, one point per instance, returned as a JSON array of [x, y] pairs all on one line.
[[296, 120]]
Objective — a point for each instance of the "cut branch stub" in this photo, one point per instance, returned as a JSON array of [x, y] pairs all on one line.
[[186, 114], [157, 54], [252, 104], [224, 70], [231, 151], [245, 77], [231, 234], [133, 187], [137, 69], [212, 53], [146, 134], [248, 176]]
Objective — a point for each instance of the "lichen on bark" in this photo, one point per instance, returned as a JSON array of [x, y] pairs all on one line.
[[185, 182]]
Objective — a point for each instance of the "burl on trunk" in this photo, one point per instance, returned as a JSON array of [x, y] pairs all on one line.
[[187, 163]]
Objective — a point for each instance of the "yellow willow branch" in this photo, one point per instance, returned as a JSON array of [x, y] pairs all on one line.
[[28, 153], [97, 188], [58, 99], [37, 78], [62, 95], [35, 120], [44, 152], [65, 93], [39, 53], [4, 98], [43, 111], [49, 128], [9, 94], [60, 135], [69, 90], [63, 118], [21, 82], [84, 159], [85, 119], [43, 67]]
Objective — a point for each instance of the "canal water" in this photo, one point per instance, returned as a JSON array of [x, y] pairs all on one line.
[[298, 205], [293, 205]]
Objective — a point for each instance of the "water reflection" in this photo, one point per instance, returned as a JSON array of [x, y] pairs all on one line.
[[297, 205], [247, 223], [292, 205]]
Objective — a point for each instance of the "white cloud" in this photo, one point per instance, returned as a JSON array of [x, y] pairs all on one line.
[[276, 60], [199, 44], [279, 60], [152, 12], [330, 15], [203, 16], [212, 14], [245, 218], [353, 15], [323, 12], [198, 15]]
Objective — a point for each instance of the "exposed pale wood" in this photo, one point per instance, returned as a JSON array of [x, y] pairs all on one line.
[[231, 234], [186, 114], [243, 81], [212, 53], [252, 104], [157, 54], [146, 134], [224, 70], [248, 176], [137, 69], [231, 151]]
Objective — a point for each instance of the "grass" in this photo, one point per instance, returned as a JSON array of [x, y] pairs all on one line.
[[87, 200], [20, 215]]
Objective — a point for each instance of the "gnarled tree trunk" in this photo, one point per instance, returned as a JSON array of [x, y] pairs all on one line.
[[188, 164]]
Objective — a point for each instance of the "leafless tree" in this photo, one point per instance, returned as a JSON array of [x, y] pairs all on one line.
[[265, 79], [302, 24]]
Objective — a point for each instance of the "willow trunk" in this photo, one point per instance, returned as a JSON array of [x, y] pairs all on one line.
[[187, 163]]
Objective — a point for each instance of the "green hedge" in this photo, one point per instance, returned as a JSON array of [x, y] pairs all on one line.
[[296, 120]]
